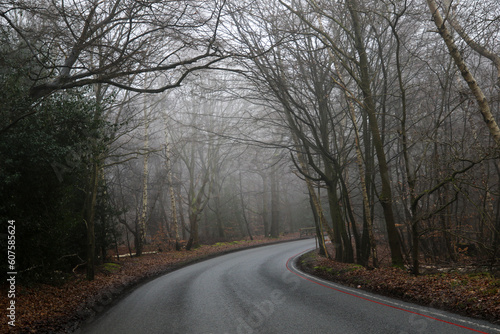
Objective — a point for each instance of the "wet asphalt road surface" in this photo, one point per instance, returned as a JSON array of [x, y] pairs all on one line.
[[260, 290]]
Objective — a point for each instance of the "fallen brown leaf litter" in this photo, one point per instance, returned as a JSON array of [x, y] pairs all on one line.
[[471, 294]]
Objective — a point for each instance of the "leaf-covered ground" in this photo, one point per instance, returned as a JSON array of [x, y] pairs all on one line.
[[471, 294], [60, 309]]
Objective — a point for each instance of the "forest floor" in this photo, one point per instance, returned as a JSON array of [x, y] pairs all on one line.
[[473, 294], [61, 308]]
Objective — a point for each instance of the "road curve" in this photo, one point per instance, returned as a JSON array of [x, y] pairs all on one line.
[[259, 290]]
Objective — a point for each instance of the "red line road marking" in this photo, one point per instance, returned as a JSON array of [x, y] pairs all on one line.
[[371, 300]]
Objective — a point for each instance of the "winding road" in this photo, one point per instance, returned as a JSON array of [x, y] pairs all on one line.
[[259, 290]]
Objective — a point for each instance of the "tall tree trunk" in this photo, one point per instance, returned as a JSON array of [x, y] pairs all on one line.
[[90, 202], [182, 219], [173, 205], [496, 228], [341, 242], [197, 200], [368, 238], [145, 173], [194, 233], [484, 107], [319, 217], [350, 220], [385, 195], [91, 193], [242, 202], [410, 174], [194, 240], [218, 216], [480, 49], [265, 203], [319, 232], [275, 205]]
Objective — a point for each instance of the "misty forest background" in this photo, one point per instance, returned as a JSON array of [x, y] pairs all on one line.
[[149, 124]]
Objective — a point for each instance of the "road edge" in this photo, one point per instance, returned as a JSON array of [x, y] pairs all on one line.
[[301, 268], [90, 313]]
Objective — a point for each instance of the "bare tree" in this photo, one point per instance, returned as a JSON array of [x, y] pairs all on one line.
[[78, 43], [482, 101]]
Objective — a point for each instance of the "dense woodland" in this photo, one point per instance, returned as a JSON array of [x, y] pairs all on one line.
[[166, 124]]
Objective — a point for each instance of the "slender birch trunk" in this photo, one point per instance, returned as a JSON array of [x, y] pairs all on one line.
[[275, 203], [484, 107], [173, 204], [145, 173]]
